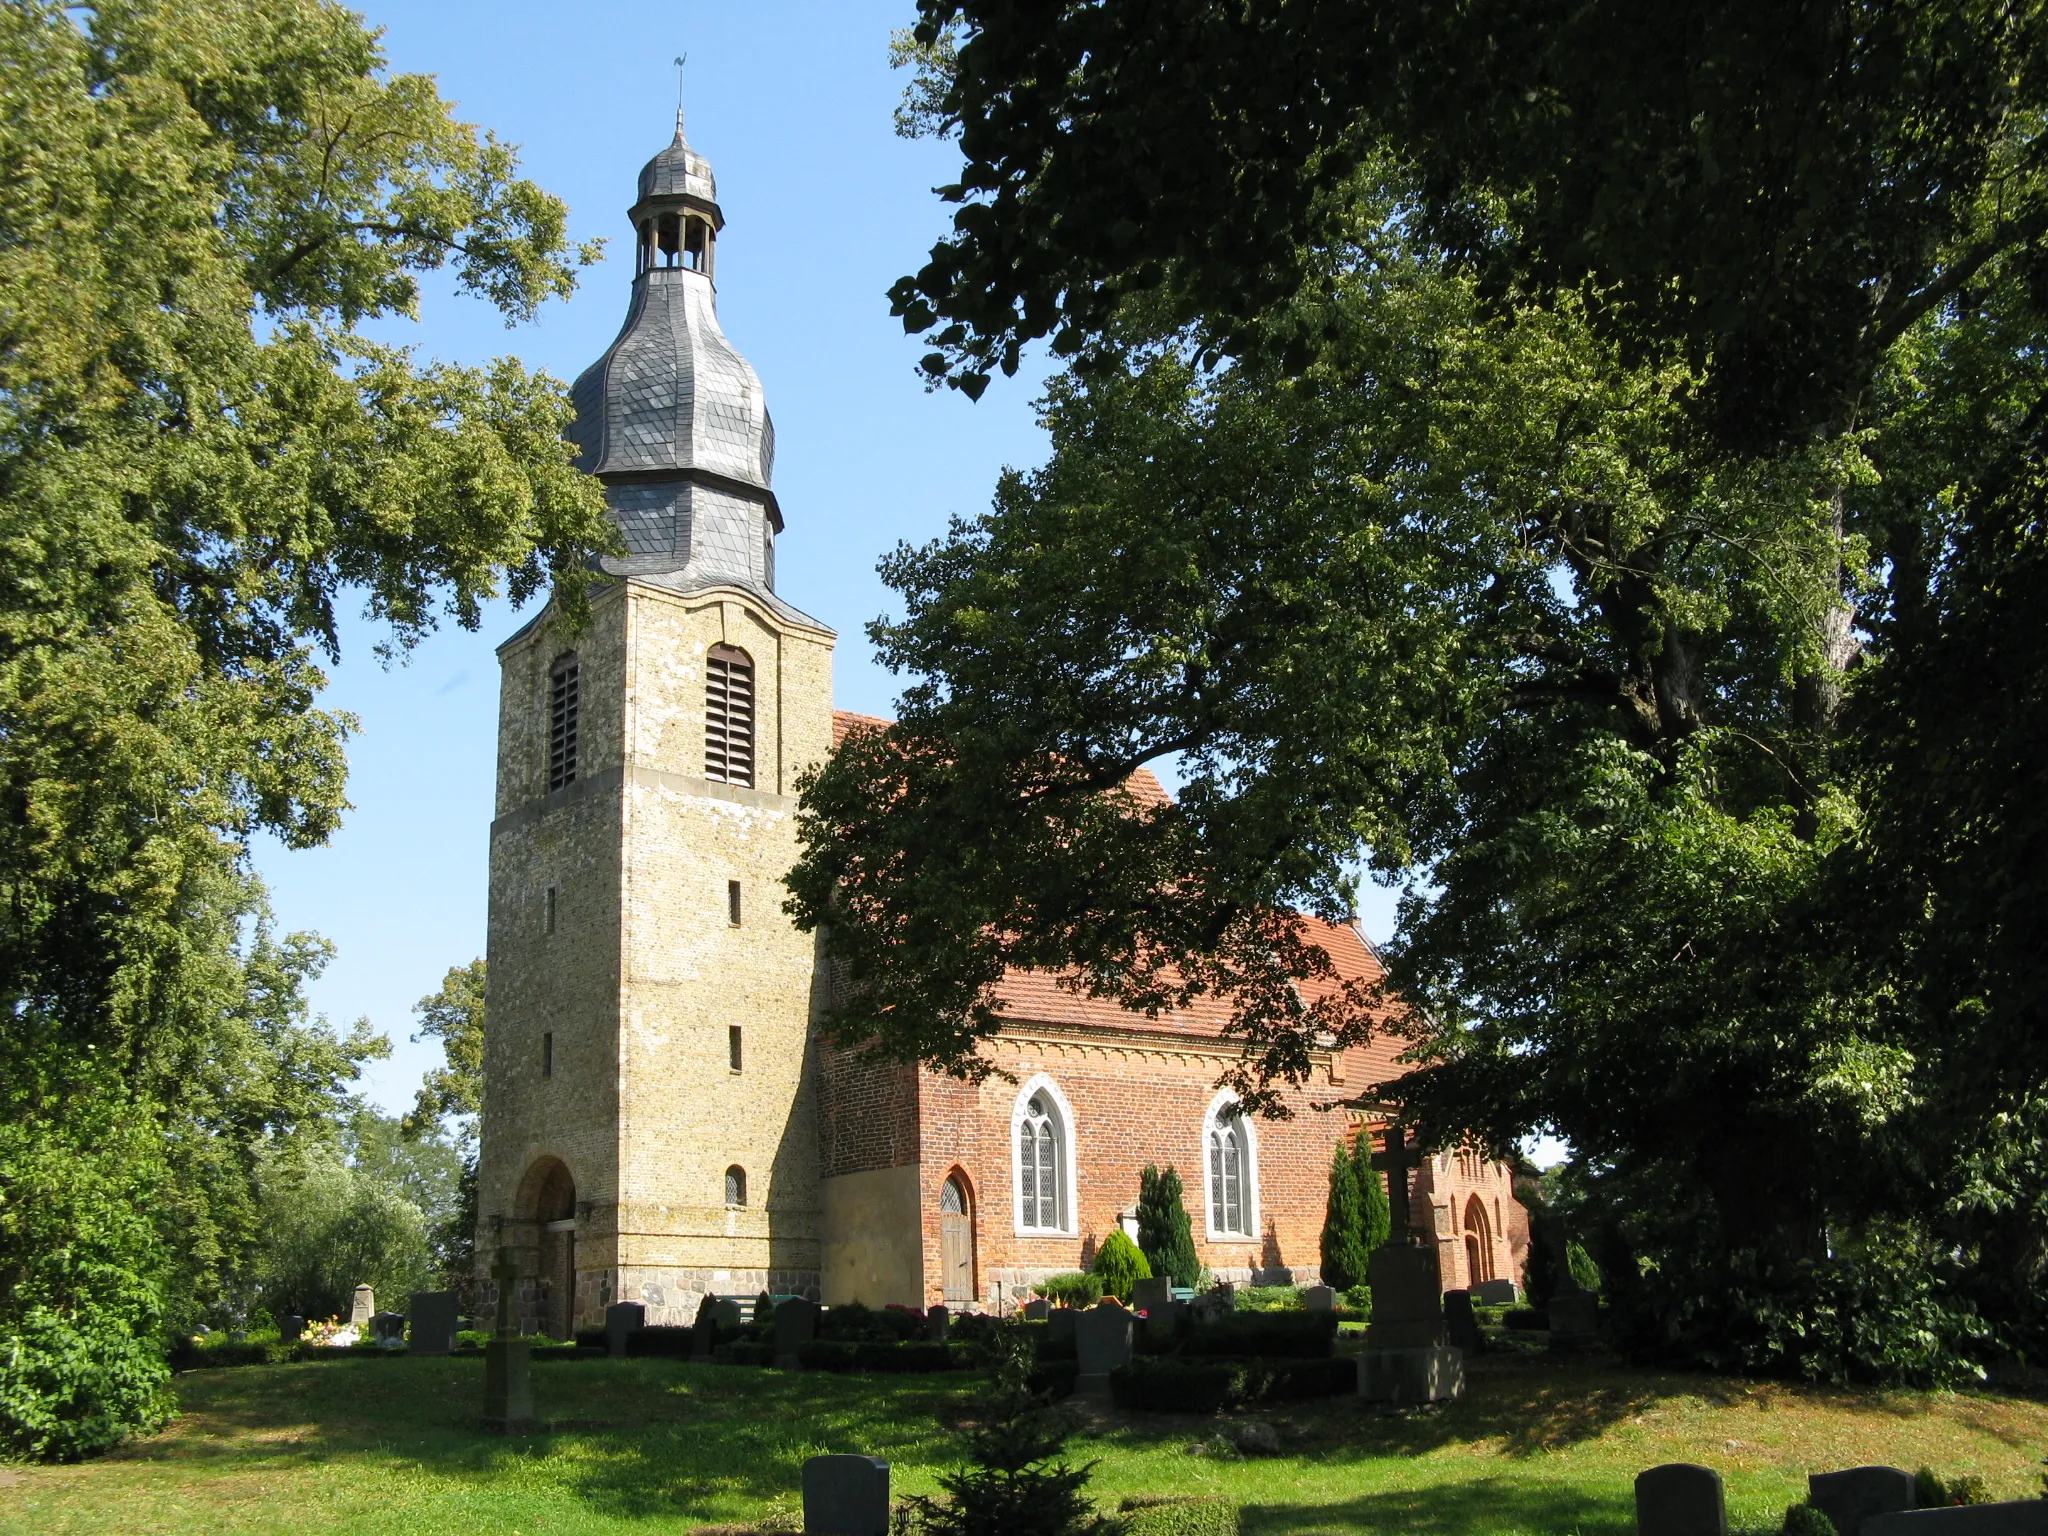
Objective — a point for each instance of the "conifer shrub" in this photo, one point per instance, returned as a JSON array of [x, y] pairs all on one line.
[[1120, 1265], [1805, 1520], [1344, 1251], [1071, 1290], [1165, 1235], [1372, 1196]]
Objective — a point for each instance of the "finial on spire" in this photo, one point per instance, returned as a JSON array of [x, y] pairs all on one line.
[[681, 60]]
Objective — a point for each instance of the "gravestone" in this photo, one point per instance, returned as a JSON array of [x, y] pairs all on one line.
[[1495, 1293], [1220, 1300], [725, 1312], [1319, 1298], [938, 1322], [846, 1496], [364, 1307], [622, 1319], [291, 1328], [1164, 1321], [2023, 1517], [1461, 1324], [1102, 1341], [1574, 1320], [1037, 1310], [433, 1322], [508, 1360], [1408, 1356], [388, 1329], [703, 1334], [1852, 1497], [1060, 1325], [1680, 1499], [1147, 1294], [796, 1323]]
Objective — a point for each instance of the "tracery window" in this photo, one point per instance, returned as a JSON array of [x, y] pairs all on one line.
[[729, 716], [562, 712], [1043, 1199], [1232, 1171]]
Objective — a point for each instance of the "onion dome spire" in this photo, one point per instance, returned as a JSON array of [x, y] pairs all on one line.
[[672, 419]]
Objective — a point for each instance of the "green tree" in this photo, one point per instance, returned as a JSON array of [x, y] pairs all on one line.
[[1119, 1265], [1377, 1210], [454, 1015], [329, 1227], [1344, 1248], [1165, 1235], [201, 452]]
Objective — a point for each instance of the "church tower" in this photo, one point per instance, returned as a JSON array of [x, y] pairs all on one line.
[[649, 1121]]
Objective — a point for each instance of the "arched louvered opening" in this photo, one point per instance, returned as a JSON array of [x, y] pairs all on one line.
[[729, 716], [735, 1185], [563, 710], [668, 239], [697, 245]]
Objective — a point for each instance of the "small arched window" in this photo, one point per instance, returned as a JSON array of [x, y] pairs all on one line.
[[735, 1185], [729, 716], [1044, 1202], [562, 712], [697, 245], [1231, 1170]]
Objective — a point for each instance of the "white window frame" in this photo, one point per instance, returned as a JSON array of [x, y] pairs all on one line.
[[1247, 1136], [1063, 1155]]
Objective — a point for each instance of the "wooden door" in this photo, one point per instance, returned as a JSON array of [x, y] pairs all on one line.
[[956, 1243]]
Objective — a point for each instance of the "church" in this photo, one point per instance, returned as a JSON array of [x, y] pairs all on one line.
[[663, 1119]]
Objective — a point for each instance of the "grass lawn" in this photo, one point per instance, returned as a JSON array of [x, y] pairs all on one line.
[[1539, 1446]]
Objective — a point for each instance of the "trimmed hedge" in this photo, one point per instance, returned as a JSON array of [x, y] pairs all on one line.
[[1175, 1516], [1055, 1378], [663, 1343], [744, 1352], [910, 1357], [1526, 1319], [1244, 1335], [1181, 1384]]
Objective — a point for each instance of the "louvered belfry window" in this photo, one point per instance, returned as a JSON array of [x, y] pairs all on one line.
[[562, 725], [729, 716]]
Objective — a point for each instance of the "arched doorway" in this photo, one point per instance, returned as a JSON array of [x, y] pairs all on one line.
[[956, 1241], [547, 1198], [1478, 1243]]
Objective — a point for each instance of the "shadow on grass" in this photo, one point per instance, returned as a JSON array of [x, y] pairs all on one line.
[[1498, 1506]]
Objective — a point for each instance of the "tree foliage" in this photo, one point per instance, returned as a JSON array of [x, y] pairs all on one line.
[[1377, 1222], [1165, 1235], [201, 455], [1344, 1247], [454, 1015]]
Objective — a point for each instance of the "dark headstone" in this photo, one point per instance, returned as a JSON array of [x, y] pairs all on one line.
[[1407, 1298], [1432, 1374], [291, 1328], [1037, 1310], [508, 1387], [846, 1496], [2023, 1517], [796, 1322], [703, 1335], [1461, 1324], [1495, 1293], [1163, 1322], [432, 1322], [387, 1328], [1147, 1294], [1060, 1324], [938, 1322], [1849, 1498], [1574, 1319], [725, 1312], [1680, 1499], [622, 1319], [1102, 1339], [1319, 1298]]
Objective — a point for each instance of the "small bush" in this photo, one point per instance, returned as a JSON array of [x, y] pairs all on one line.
[[1120, 1265], [1933, 1491], [743, 1352], [667, 1343], [1805, 1520], [1054, 1378], [1186, 1384], [1070, 1290], [1269, 1298], [1175, 1516], [909, 1357], [855, 1323], [1299, 1335]]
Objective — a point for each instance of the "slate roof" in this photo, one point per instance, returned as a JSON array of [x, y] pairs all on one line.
[[678, 171]]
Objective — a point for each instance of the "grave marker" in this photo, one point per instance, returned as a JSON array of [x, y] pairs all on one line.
[[1319, 1298], [1574, 1320], [291, 1328], [433, 1322], [387, 1329], [622, 1319], [1147, 1294], [1060, 1325], [1408, 1357], [1495, 1293], [1461, 1324], [796, 1323], [1852, 1497], [364, 1306], [1037, 1310], [1680, 1499], [1102, 1341], [846, 1496], [2022, 1517], [938, 1322], [508, 1360]]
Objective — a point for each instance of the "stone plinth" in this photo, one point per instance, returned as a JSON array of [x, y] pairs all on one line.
[[508, 1387], [1406, 1377]]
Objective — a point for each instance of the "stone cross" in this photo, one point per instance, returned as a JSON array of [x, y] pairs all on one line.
[[1395, 1162], [505, 1271]]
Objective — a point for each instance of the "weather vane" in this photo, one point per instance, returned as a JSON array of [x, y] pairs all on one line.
[[681, 60]]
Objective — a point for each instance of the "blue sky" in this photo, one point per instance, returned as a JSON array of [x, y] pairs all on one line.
[[825, 208]]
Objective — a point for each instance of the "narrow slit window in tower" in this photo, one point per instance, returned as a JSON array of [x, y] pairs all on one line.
[[547, 1054], [729, 717], [732, 1046], [551, 909], [732, 902], [562, 711]]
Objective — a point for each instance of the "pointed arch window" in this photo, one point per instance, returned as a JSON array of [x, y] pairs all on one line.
[[563, 709], [729, 716], [1043, 1153], [1230, 1170]]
